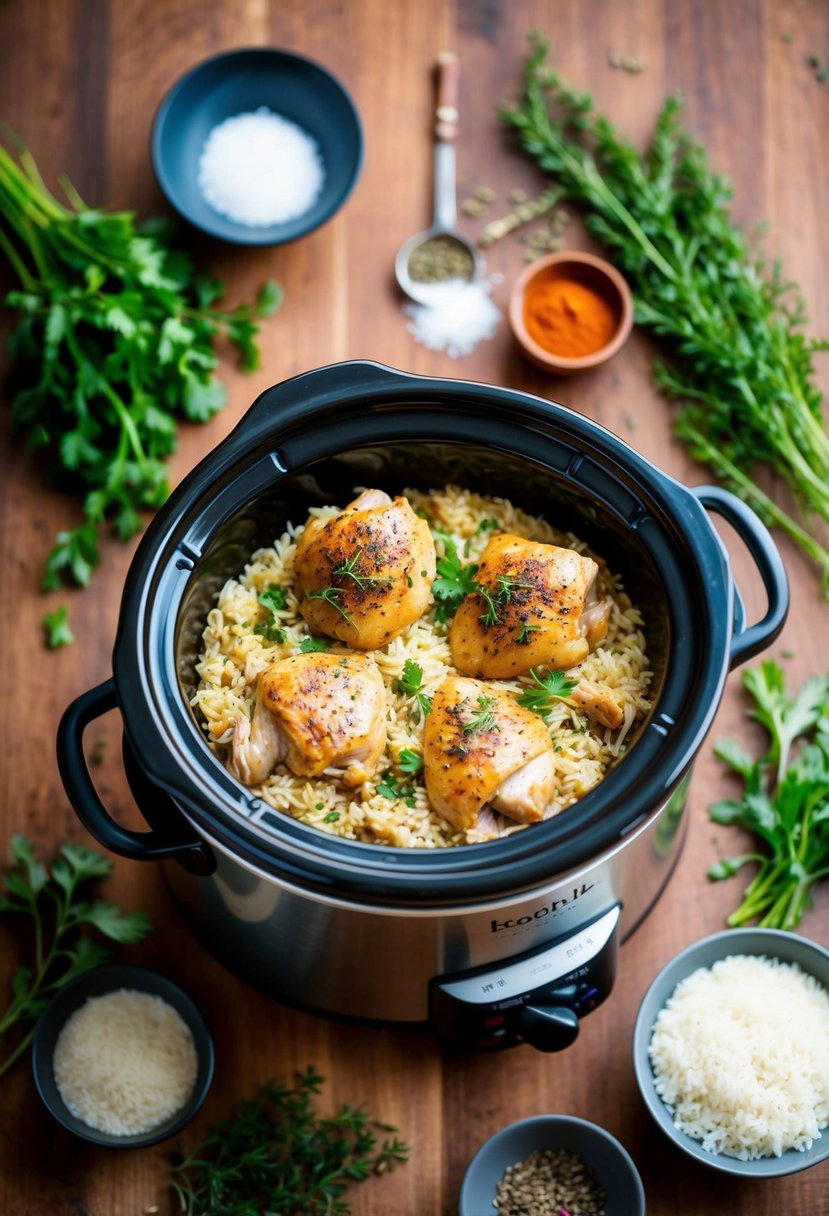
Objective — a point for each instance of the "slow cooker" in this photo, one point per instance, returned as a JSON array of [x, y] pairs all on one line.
[[494, 944]]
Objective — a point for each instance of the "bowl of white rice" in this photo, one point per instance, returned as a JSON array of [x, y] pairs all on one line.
[[731, 1052], [257, 146]]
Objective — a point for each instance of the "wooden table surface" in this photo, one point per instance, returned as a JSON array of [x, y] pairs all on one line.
[[80, 81]]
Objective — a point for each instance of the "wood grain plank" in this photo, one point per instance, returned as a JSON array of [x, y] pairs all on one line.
[[80, 80]]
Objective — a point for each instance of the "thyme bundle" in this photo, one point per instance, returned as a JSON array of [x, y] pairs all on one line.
[[731, 326], [275, 1154]]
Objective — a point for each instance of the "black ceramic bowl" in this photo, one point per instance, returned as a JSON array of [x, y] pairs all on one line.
[[239, 82], [609, 1161], [97, 983]]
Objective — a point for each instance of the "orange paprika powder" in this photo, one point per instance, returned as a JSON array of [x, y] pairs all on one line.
[[568, 318]]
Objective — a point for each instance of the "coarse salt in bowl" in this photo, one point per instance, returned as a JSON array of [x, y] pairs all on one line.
[[260, 169], [257, 146]]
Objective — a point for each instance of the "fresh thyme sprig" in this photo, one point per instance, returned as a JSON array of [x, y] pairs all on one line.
[[332, 596], [508, 584], [52, 903], [348, 569], [732, 328], [483, 719], [276, 1155]]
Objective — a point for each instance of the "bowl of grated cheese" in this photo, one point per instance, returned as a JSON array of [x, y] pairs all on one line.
[[731, 1052], [257, 146], [122, 1057]]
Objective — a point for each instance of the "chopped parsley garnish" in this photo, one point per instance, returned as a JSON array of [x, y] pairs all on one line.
[[483, 719], [310, 645], [270, 631], [411, 762], [552, 687], [57, 628], [389, 786], [454, 581], [410, 683], [272, 599]]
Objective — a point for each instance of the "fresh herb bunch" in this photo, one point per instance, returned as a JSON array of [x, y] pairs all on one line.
[[54, 905], [275, 1154], [739, 362], [115, 343], [785, 801]]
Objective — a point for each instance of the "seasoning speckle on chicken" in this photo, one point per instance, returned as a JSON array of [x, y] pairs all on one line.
[[482, 751], [319, 714], [535, 605], [366, 574]]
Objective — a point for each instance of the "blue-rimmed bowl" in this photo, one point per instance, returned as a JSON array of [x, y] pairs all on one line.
[[96, 983], [769, 943], [239, 82], [605, 1156]]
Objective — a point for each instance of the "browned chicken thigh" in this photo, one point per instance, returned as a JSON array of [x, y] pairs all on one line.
[[536, 607], [482, 751], [366, 574], [318, 713]]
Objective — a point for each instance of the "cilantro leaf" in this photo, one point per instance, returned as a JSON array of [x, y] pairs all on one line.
[[52, 902], [454, 579], [552, 687], [56, 625]]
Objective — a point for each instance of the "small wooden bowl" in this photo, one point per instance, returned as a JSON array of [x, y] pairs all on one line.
[[592, 272]]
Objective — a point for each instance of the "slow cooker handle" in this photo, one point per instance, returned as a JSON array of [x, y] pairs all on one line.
[[749, 641], [141, 846]]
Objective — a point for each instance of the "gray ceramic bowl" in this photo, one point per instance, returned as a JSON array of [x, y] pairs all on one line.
[[97, 983], [611, 1163], [772, 943], [239, 82]]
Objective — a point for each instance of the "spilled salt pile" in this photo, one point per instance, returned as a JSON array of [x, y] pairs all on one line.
[[457, 319], [260, 169]]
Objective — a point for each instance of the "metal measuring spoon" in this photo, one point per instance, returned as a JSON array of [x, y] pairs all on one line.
[[440, 248]]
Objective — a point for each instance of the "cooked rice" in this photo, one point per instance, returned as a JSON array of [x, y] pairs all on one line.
[[234, 654]]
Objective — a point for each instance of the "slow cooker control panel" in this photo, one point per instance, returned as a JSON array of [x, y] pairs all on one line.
[[536, 998]]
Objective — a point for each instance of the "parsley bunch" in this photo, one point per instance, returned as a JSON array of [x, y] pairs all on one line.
[[115, 344], [739, 361], [52, 903], [785, 801], [275, 1154]]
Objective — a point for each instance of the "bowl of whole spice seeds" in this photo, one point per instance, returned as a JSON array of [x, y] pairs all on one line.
[[552, 1165]]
